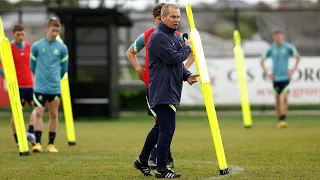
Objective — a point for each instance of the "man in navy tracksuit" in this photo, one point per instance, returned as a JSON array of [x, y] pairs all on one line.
[[166, 76]]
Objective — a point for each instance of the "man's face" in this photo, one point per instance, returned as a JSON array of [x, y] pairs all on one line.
[[52, 32], [18, 36], [172, 20], [157, 20], [278, 37]]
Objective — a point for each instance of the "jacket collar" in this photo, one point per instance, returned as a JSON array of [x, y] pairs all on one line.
[[21, 46], [47, 40], [165, 28], [274, 44]]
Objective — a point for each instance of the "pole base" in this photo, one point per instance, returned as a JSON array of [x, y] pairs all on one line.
[[224, 171], [72, 143], [26, 153]]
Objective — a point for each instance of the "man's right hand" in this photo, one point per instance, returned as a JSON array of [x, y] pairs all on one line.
[[193, 78], [140, 72], [187, 42], [271, 76]]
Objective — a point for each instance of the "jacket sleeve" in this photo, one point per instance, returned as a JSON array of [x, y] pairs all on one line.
[[186, 74], [138, 43], [1, 70], [34, 55], [166, 52], [293, 51], [267, 54]]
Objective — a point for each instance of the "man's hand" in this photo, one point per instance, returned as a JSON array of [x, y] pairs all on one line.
[[187, 42], [291, 72], [271, 76], [192, 79], [140, 72]]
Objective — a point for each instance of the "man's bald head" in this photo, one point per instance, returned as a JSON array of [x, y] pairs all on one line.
[[170, 15], [165, 9]]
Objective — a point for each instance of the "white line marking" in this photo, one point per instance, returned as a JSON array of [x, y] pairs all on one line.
[[229, 113], [233, 169]]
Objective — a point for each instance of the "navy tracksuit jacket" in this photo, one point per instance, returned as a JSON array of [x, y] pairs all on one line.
[[166, 69], [166, 76]]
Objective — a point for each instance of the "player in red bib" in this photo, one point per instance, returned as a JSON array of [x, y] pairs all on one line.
[[21, 56], [140, 43]]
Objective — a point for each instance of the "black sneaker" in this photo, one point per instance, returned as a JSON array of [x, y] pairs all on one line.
[[170, 164], [168, 174], [144, 168], [152, 162]]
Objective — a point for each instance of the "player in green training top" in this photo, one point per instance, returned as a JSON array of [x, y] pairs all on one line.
[[280, 52], [49, 62]]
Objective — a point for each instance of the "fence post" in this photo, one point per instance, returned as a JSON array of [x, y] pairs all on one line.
[[236, 18], [20, 16]]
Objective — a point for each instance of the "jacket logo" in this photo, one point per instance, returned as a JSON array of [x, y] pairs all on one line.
[[56, 52]]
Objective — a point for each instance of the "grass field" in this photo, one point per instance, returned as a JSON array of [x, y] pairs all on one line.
[[107, 149]]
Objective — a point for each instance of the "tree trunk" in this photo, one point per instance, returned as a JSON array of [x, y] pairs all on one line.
[[102, 5]]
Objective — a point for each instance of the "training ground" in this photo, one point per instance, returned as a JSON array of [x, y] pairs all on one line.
[[107, 149]]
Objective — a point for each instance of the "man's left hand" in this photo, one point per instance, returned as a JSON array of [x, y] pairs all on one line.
[[290, 73], [193, 78]]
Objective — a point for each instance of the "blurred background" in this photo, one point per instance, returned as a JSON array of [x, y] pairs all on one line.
[[102, 79]]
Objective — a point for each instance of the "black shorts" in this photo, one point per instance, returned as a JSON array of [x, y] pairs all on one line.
[[150, 111], [281, 86], [40, 99], [26, 96]]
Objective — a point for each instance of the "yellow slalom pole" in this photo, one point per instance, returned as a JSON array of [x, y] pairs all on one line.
[[1, 29], [13, 91], [207, 92], [239, 58], [67, 107]]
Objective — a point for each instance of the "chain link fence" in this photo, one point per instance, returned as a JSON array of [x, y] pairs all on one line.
[[216, 26]]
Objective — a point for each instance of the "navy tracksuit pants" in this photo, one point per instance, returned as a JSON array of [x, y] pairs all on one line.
[[161, 134]]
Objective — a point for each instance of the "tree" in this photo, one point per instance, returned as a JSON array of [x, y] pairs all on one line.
[[5, 6], [262, 6], [73, 3]]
